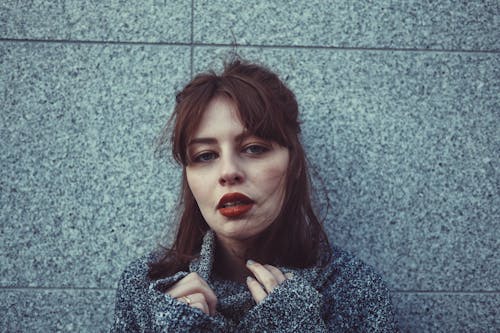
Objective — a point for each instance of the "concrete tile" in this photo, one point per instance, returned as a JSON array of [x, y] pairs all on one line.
[[429, 312], [35, 310], [405, 145], [144, 21], [80, 189], [353, 24]]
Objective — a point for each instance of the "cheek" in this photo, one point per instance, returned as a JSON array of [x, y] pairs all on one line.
[[278, 169], [273, 179], [195, 183]]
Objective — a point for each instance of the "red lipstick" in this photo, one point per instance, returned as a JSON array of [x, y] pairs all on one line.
[[234, 204]]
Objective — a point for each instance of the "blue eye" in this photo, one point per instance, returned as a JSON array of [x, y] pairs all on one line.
[[204, 157], [255, 149]]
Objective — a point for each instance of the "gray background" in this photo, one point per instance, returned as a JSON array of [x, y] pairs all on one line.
[[400, 111]]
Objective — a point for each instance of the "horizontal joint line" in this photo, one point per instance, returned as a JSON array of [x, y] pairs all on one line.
[[268, 46]]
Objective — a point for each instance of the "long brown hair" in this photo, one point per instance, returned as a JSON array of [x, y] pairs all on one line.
[[268, 109]]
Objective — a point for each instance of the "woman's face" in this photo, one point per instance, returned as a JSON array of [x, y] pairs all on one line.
[[238, 180]]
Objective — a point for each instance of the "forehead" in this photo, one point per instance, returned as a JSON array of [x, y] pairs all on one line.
[[220, 118]]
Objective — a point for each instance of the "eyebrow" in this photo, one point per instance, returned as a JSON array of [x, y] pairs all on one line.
[[209, 141]]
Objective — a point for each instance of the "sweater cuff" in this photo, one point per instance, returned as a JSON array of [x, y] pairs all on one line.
[[292, 306], [170, 315], [162, 285]]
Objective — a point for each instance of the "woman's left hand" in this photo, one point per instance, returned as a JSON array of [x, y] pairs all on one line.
[[267, 278]]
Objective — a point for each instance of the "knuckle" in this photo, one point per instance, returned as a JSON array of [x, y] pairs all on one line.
[[256, 265], [199, 296], [198, 306], [190, 277], [269, 281], [196, 279], [251, 281]]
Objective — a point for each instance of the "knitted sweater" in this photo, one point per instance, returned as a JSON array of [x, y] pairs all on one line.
[[343, 296]]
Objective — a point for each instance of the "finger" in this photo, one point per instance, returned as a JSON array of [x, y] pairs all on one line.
[[184, 288], [257, 291], [278, 275], [210, 297], [193, 276], [200, 298], [201, 306], [176, 289], [194, 279], [206, 295], [184, 300], [265, 277], [193, 298], [192, 284], [196, 300]]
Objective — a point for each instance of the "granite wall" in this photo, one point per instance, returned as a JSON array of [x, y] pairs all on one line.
[[400, 111]]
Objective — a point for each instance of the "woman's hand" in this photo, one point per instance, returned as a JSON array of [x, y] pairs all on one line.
[[195, 292], [268, 278]]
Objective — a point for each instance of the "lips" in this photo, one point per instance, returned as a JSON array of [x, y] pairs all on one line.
[[234, 204]]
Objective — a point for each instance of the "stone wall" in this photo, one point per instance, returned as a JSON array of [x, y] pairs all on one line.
[[400, 111]]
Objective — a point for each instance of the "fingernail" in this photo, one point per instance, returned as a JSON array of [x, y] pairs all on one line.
[[249, 279], [250, 262]]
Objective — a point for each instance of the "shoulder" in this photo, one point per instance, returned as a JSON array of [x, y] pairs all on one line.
[[135, 274], [345, 268], [131, 298], [345, 274], [356, 292]]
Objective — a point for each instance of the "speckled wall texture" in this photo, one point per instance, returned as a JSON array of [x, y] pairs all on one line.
[[400, 110]]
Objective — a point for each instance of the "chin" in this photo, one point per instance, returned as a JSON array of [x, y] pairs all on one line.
[[239, 229], [239, 232]]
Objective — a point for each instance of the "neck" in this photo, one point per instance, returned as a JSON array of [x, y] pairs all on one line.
[[230, 261]]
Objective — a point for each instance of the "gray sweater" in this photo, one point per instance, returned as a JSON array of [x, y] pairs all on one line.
[[343, 296]]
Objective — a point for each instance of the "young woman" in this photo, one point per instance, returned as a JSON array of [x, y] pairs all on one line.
[[250, 254]]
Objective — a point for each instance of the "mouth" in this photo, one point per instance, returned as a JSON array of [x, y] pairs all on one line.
[[234, 204]]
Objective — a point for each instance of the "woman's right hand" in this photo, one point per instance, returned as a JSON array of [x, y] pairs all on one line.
[[195, 292]]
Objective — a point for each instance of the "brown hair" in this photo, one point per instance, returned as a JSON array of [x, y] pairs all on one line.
[[268, 109]]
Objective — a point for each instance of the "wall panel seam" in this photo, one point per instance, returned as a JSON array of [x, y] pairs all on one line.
[[191, 54], [298, 47]]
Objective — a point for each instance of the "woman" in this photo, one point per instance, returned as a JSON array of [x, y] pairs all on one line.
[[250, 254]]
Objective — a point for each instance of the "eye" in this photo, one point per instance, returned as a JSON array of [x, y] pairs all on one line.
[[204, 157], [255, 149]]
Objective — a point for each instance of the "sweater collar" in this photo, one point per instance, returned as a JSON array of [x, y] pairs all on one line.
[[203, 264]]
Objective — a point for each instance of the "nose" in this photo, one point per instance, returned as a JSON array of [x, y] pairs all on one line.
[[231, 172]]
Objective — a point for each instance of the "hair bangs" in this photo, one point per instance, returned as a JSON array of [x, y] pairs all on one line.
[[191, 104], [257, 110]]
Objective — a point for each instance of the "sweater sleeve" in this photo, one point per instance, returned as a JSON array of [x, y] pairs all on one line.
[[293, 306], [356, 299], [378, 313], [142, 306], [350, 298]]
